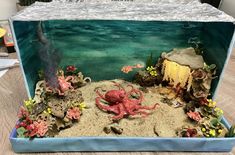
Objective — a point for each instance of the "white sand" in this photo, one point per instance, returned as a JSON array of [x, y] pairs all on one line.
[[165, 119]]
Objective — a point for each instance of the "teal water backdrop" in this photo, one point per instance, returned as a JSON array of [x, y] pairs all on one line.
[[100, 48]]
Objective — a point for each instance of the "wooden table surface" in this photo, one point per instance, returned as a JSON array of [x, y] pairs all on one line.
[[13, 92]]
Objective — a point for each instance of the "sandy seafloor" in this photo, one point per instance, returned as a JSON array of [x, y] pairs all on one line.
[[164, 120]]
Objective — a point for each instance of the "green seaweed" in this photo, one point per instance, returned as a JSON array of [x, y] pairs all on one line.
[[149, 61], [21, 132], [231, 132]]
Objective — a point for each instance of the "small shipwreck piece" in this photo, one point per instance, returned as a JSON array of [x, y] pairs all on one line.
[[177, 66], [120, 102]]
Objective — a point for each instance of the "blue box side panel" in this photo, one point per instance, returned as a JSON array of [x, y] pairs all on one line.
[[216, 38], [27, 42], [121, 144]]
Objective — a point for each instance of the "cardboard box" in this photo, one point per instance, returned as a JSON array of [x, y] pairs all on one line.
[[102, 37]]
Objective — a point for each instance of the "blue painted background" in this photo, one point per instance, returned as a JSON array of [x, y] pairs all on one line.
[[100, 48]]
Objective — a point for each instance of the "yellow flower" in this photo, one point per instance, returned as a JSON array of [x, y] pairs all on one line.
[[220, 131], [211, 103], [82, 106], [212, 132], [150, 68], [203, 129], [153, 73], [49, 110], [29, 102], [219, 111]]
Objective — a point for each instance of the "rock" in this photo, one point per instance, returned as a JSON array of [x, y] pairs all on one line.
[[107, 129], [58, 108], [144, 79], [187, 57], [47, 118], [60, 124], [116, 129], [39, 92], [164, 90], [39, 108]]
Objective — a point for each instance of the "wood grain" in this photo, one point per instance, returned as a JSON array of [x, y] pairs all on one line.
[[13, 92]]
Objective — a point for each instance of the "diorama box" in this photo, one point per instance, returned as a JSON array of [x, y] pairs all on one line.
[[101, 37]]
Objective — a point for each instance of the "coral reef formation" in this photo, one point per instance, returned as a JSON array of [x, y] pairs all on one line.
[[52, 109]]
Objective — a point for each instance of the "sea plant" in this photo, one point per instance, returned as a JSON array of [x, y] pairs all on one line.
[[209, 68], [21, 132], [212, 128], [41, 74], [231, 132], [152, 71], [149, 61], [29, 104], [211, 108], [80, 105]]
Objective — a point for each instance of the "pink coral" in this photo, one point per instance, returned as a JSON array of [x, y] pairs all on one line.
[[73, 113], [23, 113], [38, 128], [194, 115], [24, 118]]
